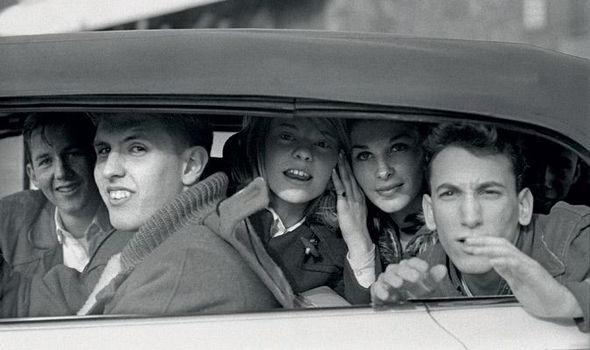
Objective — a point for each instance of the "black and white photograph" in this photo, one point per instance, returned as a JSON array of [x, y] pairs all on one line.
[[296, 174]]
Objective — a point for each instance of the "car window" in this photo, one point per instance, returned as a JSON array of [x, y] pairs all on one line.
[[561, 174], [11, 168]]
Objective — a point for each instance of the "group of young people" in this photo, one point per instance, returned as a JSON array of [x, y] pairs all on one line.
[[378, 210]]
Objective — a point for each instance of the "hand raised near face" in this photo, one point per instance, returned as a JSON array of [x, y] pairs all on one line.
[[352, 209], [538, 292], [411, 278]]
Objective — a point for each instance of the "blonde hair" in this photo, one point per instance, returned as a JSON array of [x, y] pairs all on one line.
[[247, 159]]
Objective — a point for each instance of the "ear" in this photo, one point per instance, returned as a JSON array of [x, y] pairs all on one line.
[[428, 213], [31, 174], [578, 171], [525, 207], [195, 160]]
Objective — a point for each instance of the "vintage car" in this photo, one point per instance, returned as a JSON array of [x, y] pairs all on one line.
[[229, 74]]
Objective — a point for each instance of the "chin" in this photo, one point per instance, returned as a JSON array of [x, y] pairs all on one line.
[[473, 266], [392, 205], [122, 223], [297, 196]]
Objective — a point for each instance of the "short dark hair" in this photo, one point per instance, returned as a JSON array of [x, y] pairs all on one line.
[[479, 139], [78, 121], [189, 129]]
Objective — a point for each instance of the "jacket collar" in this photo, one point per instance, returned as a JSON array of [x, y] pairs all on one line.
[[229, 221]]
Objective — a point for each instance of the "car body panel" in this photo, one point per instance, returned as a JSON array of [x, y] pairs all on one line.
[[499, 80], [410, 327]]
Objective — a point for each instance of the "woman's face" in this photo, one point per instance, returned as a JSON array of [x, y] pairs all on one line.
[[387, 162], [299, 159]]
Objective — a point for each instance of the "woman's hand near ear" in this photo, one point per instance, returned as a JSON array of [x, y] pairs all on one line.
[[352, 211]]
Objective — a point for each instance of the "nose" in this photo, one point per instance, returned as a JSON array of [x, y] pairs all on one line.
[[384, 170], [303, 152], [471, 215], [112, 167], [549, 177], [62, 168]]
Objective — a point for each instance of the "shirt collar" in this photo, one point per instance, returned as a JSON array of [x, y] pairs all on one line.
[[280, 227], [100, 223]]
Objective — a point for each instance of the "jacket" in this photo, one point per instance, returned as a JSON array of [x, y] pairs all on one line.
[[559, 241], [30, 249], [311, 256], [195, 255]]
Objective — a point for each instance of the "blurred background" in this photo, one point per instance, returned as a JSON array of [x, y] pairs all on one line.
[[561, 25]]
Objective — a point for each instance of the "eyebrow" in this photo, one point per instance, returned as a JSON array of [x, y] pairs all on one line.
[[480, 186], [288, 125], [136, 133], [391, 140], [41, 156]]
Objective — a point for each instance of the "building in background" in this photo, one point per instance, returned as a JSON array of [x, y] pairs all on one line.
[[561, 25]]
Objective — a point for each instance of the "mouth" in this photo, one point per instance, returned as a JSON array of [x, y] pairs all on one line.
[[118, 195], [389, 190], [67, 188], [297, 174]]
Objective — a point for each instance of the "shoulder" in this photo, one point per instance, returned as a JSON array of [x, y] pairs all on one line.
[[195, 242], [569, 210], [563, 219], [27, 198], [564, 227]]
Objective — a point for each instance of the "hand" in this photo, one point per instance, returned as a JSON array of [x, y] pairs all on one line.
[[538, 292], [411, 278], [352, 210]]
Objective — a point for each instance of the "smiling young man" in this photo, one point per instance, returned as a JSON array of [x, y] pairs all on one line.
[[490, 242], [180, 260], [62, 223], [65, 221]]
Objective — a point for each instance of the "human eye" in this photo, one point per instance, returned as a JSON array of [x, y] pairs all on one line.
[[76, 152], [44, 162], [286, 136], [398, 147], [362, 156], [102, 151], [447, 194], [491, 193], [137, 149]]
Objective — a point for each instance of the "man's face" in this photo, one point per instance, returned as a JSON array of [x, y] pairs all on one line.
[[138, 169], [473, 195], [299, 159], [559, 173], [61, 167]]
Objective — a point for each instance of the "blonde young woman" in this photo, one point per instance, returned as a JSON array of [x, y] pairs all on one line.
[[297, 158]]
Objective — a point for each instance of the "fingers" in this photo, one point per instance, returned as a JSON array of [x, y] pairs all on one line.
[[346, 176], [490, 247], [354, 187], [409, 279], [438, 273], [338, 186]]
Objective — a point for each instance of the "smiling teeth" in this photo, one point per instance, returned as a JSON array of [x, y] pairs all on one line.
[[298, 173], [119, 194]]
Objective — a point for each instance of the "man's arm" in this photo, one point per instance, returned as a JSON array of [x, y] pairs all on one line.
[[539, 293]]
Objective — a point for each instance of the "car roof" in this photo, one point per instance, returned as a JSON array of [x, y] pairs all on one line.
[[501, 80]]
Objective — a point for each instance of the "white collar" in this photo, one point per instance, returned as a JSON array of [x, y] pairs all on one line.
[[280, 227]]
